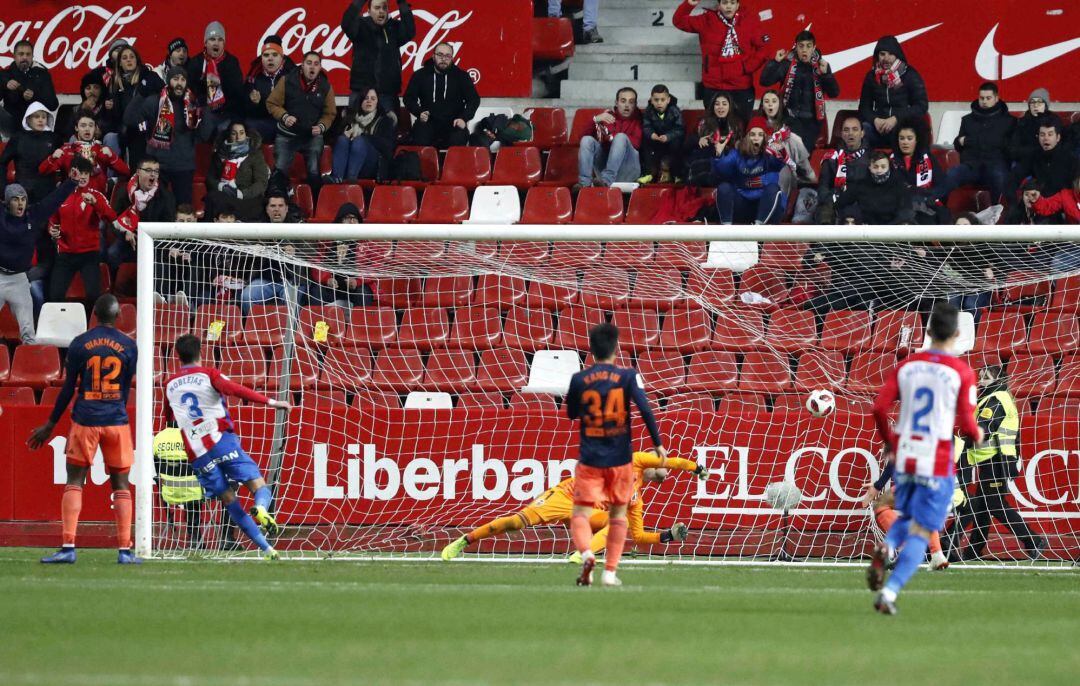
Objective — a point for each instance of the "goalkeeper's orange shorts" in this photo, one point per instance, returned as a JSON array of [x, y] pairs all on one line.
[[553, 506], [115, 443], [600, 485]]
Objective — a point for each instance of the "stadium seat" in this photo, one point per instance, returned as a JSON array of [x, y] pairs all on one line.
[[502, 369], [1024, 288], [499, 290], [527, 329], [535, 402], [370, 253], [392, 205], [868, 371], [126, 322], [562, 167], [629, 253], [820, 369], [639, 329], [429, 166], [605, 288], [398, 292], [420, 253], [322, 325], [424, 328], [1069, 377], [1029, 375], [713, 287], [481, 401], [423, 400], [346, 368], [663, 371], [1059, 406], [333, 196], [517, 166], [552, 370], [548, 205], [643, 204], [48, 396], [397, 369], [447, 291], [787, 257], [1053, 332], [171, 322], [767, 282], [524, 253], [552, 39], [217, 324], [847, 331], [659, 289], [686, 329], [1001, 332], [551, 288], [549, 126], [16, 395], [681, 254], [125, 284], [896, 330], [583, 125], [495, 205], [59, 323], [9, 326], [466, 166], [204, 153], [791, 331], [76, 291], [1067, 295], [691, 119], [712, 371], [949, 127], [244, 364], [693, 402], [371, 327], [303, 369], [765, 372], [573, 254], [742, 404], [450, 370], [738, 256], [476, 328], [371, 400], [266, 325], [36, 366], [738, 329], [599, 205], [444, 205], [572, 332], [304, 199]]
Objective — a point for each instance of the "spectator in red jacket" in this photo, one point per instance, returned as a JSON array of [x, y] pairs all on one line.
[[1066, 201], [733, 46], [76, 228], [610, 152], [86, 146]]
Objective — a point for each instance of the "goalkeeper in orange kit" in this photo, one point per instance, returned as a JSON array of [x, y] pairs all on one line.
[[556, 505]]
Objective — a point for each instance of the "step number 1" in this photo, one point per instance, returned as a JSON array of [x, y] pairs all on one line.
[[634, 68]]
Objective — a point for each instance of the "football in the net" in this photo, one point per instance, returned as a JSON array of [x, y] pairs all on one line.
[[821, 403], [783, 495]]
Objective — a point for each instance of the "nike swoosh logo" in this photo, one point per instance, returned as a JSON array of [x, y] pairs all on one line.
[[991, 64], [845, 58]]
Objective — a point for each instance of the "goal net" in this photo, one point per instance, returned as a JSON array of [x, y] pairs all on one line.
[[427, 378]]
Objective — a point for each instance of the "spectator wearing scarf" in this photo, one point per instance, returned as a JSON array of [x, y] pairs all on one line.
[[911, 159], [892, 91], [365, 148], [841, 165], [216, 77], [749, 177], [265, 72], [806, 80], [87, 147], [238, 173], [303, 105], [142, 199]]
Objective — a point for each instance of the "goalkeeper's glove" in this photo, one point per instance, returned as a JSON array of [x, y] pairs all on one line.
[[701, 472], [959, 498], [677, 532]]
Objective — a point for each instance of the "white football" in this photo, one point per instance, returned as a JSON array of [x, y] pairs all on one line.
[[783, 495], [821, 403]]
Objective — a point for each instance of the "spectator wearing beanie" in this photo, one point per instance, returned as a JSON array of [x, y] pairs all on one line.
[[23, 83], [1052, 163], [176, 55], [749, 177], [366, 146], [1025, 137], [303, 104], [267, 69], [238, 173], [734, 45], [983, 143], [216, 77], [892, 91], [376, 55], [443, 99], [87, 147], [610, 153], [805, 81], [881, 197]]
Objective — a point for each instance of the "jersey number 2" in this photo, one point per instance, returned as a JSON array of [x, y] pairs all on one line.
[[192, 402], [926, 397]]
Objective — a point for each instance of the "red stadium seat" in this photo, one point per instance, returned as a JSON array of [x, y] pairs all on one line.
[[694, 402], [371, 327], [533, 401], [574, 324], [481, 401], [304, 199], [562, 167], [713, 287], [527, 329], [742, 404], [126, 281], [548, 205], [5, 364], [659, 289], [198, 198], [420, 252], [643, 204], [1059, 406], [639, 329], [524, 253], [1029, 375], [77, 291], [324, 398], [392, 205], [397, 369], [765, 281], [680, 254], [447, 291], [217, 324], [444, 205], [573, 254], [691, 119], [499, 290], [517, 166], [686, 329], [245, 364], [765, 372], [424, 328], [450, 371], [476, 328], [868, 371], [583, 125], [1024, 288], [897, 330], [629, 254], [738, 329], [125, 323], [847, 331], [266, 325], [944, 159], [553, 288], [397, 292], [346, 368], [549, 126], [1001, 332], [370, 253], [16, 395], [552, 39], [36, 366], [979, 361], [599, 205], [333, 196], [663, 371], [786, 257], [303, 371], [1069, 377], [374, 401], [712, 371], [820, 369], [9, 326], [1067, 294], [605, 288], [48, 396], [792, 331], [314, 321], [204, 153], [429, 164], [1053, 332], [502, 369], [466, 166]]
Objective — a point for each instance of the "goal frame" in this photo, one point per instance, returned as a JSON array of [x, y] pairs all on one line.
[[150, 232]]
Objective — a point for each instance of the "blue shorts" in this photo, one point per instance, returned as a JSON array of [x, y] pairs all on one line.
[[924, 499], [226, 462]]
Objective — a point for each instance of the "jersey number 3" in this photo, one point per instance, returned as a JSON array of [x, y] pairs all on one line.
[[926, 397], [192, 402]]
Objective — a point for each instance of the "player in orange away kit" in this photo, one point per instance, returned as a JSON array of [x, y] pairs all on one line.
[[556, 505]]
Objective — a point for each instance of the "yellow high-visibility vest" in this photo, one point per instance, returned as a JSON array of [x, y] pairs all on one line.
[[175, 490], [1004, 439]]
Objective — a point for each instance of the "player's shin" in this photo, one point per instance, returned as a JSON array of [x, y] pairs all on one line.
[[121, 503], [897, 534], [911, 556], [262, 497], [70, 507], [616, 542], [580, 531], [247, 524]]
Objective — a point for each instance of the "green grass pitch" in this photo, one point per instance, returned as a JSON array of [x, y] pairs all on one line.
[[332, 622]]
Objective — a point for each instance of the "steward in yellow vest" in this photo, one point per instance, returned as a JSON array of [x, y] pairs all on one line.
[[177, 484]]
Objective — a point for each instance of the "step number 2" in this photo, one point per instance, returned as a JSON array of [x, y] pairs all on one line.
[[658, 18]]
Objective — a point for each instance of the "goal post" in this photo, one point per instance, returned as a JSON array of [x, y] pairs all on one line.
[[426, 364]]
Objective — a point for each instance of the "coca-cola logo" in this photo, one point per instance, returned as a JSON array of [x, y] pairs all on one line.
[[77, 37]]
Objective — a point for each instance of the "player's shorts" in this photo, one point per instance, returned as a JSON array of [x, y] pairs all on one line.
[[924, 499], [553, 505], [115, 443], [612, 485], [226, 462]]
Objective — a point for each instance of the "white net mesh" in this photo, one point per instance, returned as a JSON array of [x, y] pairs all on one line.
[[731, 343]]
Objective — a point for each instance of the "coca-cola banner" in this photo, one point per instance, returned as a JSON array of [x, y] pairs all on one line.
[[493, 37], [351, 467]]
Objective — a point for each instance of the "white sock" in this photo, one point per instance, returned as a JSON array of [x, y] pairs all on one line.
[[608, 575], [938, 559], [889, 595], [588, 555]]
